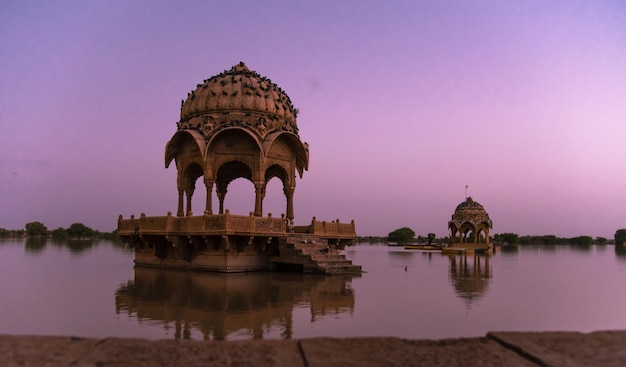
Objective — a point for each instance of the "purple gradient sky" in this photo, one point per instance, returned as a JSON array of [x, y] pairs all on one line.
[[403, 103]]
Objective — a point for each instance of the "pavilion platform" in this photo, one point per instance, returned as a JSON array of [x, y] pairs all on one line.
[[236, 243]]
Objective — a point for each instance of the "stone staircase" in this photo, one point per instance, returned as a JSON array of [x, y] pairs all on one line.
[[313, 255]]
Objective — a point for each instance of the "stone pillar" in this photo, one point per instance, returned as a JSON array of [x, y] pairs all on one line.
[[220, 196], [189, 196], [259, 191], [289, 196], [209, 197], [180, 212]]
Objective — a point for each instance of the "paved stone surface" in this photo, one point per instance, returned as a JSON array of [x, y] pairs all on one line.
[[138, 352], [42, 351], [600, 348], [365, 352]]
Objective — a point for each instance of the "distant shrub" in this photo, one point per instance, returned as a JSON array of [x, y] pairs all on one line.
[[401, 235], [59, 233], [581, 241], [510, 238], [620, 237], [80, 230], [36, 229], [111, 236]]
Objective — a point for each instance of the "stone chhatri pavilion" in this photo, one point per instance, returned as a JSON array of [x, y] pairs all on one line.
[[470, 221], [237, 124]]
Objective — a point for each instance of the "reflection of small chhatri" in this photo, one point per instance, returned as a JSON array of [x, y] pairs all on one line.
[[469, 229], [470, 279], [237, 124]]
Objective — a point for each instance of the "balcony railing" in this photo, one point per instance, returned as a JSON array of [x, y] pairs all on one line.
[[204, 224], [228, 224], [329, 229]]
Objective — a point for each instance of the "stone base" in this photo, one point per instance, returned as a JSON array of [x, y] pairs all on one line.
[[230, 254], [223, 261]]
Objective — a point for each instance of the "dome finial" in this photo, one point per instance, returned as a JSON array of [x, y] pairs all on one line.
[[241, 67]]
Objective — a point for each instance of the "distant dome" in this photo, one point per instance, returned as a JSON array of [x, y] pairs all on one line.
[[470, 221], [469, 205], [238, 90], [470, 211]]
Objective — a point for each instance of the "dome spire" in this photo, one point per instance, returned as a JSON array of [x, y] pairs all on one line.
[[241, 67]]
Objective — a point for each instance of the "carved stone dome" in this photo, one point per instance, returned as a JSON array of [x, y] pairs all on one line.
[[238, 90], [470, 211], [469, 206]]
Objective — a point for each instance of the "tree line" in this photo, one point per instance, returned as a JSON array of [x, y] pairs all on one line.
[[406, 235], [75, 230], [514, 239]]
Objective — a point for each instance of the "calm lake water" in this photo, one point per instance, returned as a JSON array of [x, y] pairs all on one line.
[[90, 289]]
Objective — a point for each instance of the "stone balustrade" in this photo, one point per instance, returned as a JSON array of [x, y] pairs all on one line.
[[202, 225], [330, 229]]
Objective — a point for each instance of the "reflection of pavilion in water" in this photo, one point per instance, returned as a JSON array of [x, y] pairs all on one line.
[[470, 277], [219, 305]]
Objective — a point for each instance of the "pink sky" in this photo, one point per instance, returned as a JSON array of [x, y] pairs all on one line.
[[403, 103]]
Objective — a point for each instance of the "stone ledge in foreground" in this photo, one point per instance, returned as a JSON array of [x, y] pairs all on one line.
[[602, 348], [557, 348]]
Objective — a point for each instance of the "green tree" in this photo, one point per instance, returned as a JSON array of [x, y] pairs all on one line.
[[600, 240], [401, 235], [36, 229], [59, 233], [510, 238], [549, 239], [80, 230], [111, 236], [431, 238], [620, 237], [581, 241]]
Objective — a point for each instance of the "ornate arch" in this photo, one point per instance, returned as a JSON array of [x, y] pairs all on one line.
[[226, 173], [299, 149], [174, 147], [188, 176], [234, 129]]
